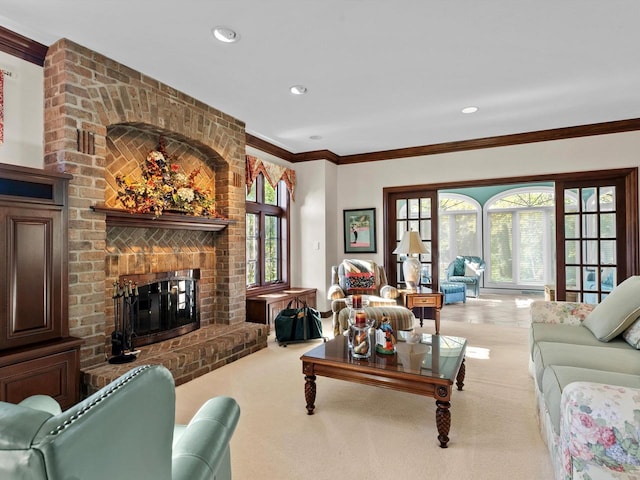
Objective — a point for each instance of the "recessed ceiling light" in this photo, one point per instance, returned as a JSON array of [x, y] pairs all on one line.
[[225, 35], [298, 89], [315, 137], [469, 109]]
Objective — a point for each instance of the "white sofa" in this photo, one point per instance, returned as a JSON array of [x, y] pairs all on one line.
[[586, 366]]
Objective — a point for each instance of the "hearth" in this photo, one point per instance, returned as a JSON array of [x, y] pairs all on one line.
[[166, 306]]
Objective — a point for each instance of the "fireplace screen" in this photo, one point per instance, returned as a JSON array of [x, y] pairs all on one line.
[[167, 305]]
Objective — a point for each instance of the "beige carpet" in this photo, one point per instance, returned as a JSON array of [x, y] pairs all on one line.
[[362, 432]]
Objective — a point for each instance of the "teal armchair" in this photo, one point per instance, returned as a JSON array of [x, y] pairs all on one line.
[[467, 269], [126, 429]]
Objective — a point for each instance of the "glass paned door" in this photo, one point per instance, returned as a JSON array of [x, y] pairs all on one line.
[[412, 211], [591, 261]]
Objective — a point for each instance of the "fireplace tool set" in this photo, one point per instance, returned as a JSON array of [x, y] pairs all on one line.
[[125, 299]]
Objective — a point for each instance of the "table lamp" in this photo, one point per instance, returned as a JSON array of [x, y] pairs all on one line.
[[411, 244]]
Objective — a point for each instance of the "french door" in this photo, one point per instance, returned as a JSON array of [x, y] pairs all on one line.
[[596, 228], [406, 211], [597, 237]]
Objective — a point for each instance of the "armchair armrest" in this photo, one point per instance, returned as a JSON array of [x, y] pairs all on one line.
[[570, 313], [43, 403], [599, 430], [388, 291], [202, 449], [335, 292]]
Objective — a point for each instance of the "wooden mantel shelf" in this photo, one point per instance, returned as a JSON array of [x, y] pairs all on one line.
[[117, 217]]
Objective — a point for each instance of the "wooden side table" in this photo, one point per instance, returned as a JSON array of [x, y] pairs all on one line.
[[424, 298]]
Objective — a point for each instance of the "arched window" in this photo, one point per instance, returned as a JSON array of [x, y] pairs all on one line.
[[459, 228], [520, 238]]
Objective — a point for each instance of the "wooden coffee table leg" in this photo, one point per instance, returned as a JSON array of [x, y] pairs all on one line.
[[443, 421], [460, 376], [310, 392]]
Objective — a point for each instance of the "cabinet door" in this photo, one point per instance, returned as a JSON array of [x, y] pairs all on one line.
[[32, 244]]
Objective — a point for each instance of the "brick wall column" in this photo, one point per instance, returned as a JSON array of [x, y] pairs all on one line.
[[88, 93]]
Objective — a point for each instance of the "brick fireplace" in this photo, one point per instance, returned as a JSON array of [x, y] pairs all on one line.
[[101, 119]]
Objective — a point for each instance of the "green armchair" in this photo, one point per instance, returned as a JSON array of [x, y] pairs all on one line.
[[125, 429], [467, 269]]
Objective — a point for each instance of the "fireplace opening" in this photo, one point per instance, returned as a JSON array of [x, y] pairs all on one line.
[[166, 307]]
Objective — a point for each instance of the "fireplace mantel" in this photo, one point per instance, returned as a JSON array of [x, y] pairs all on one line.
[[117, 217]]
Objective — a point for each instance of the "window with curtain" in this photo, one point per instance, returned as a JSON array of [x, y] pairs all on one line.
[[520, 238], [269, 189]]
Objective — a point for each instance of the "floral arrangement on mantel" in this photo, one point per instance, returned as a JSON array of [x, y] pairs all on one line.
[[165, 188]]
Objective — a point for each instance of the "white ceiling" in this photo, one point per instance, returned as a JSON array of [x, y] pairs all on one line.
[[381, 74]]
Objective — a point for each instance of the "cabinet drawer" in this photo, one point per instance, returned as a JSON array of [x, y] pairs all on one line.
[[433, 301]]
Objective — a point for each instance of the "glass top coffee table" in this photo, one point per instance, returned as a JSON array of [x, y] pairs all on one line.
[[427, 368]]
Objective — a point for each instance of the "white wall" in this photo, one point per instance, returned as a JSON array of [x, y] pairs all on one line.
[[23, 113], [360, 185], [324, 190]]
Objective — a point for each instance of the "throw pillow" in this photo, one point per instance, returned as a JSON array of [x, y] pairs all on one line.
[[471, 269], [360, 281], [632, 335], [616, 312], [458, 266]]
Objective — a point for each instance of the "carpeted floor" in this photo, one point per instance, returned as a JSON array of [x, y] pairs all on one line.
[[362, 432]]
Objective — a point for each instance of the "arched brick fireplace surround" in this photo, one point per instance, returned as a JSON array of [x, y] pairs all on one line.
[[102, 118]]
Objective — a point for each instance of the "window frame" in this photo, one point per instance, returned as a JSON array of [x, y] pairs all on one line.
[[450, 217], [628, 236], [262, 210], [548, 238]]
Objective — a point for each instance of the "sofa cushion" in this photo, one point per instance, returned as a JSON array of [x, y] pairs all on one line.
[[632, 334], [617, 311], [621, 360], [555, 378], [565, 333]]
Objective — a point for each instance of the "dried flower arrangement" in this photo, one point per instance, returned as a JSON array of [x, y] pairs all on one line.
[[164, 187]]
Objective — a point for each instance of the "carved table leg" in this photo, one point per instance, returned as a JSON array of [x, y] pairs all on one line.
[[443, 421], [460, 376], [310, 392]]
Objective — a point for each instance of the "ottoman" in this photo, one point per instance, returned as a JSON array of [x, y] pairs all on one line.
[[401, 318], [454, 292]]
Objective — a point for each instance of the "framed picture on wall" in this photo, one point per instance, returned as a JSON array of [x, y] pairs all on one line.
[[360, 231]]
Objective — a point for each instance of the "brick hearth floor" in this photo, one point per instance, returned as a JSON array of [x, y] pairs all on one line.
[[187, 356]]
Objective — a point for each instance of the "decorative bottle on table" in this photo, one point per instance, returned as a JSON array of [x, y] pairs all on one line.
[[359, 333]]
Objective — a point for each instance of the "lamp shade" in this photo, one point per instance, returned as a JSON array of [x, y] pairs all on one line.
[[411, 243]]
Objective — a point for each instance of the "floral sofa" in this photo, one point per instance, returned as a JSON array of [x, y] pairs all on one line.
[[586, 367]]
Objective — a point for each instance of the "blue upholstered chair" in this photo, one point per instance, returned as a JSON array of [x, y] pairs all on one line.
[[467, 269], [125, 430]]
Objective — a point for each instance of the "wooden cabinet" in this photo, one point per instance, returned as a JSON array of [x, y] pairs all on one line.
[[264, 308], [37, 355]]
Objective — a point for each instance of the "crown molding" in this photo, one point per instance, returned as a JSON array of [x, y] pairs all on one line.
[[604, 128], [22, 47], [35, 52]]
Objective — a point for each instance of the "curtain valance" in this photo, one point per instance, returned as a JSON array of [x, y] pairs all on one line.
[[272, 172]]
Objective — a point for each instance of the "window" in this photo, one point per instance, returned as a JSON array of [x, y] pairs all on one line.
[[459, 228], [520, 238], [267, 221]]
